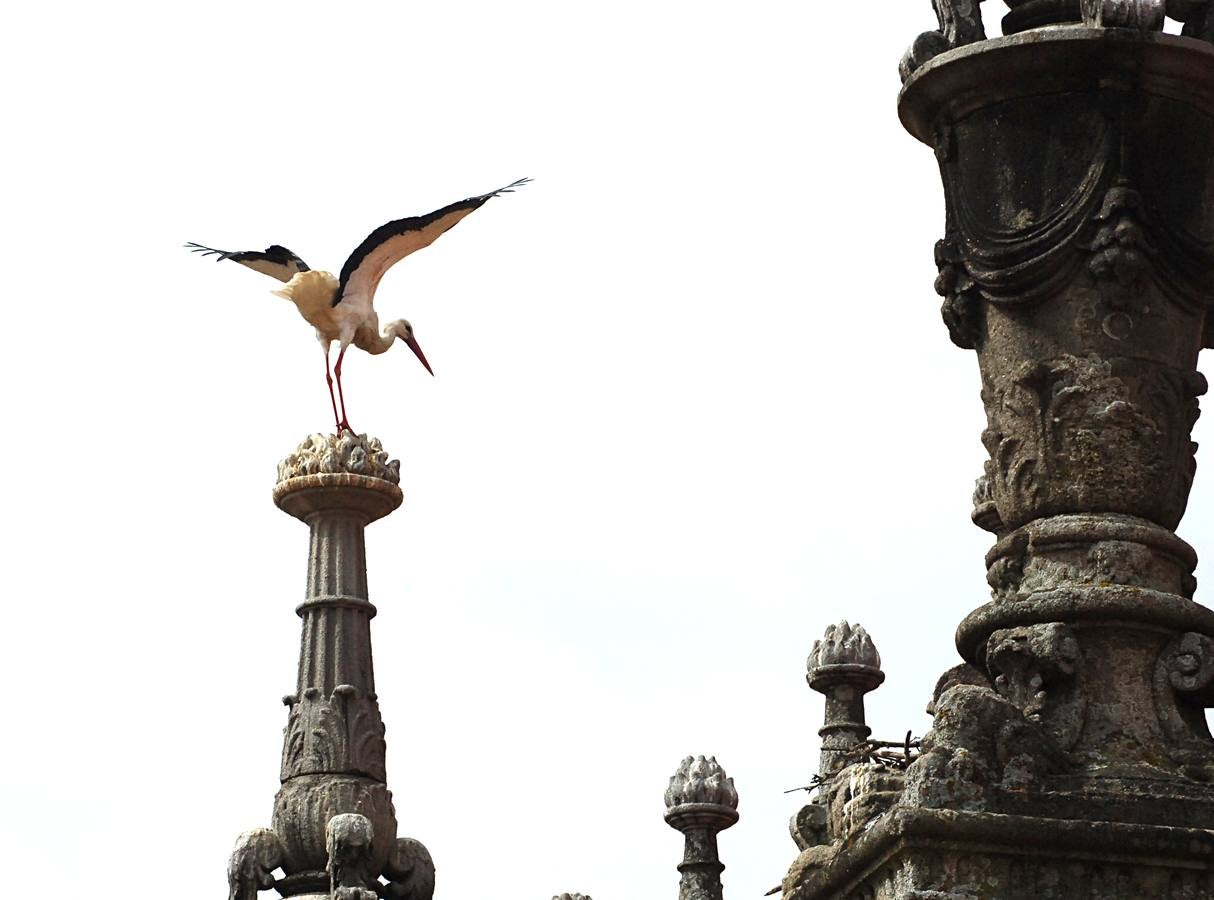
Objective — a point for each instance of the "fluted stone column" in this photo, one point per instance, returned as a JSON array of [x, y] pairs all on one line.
[[701, 802], [334, 825]]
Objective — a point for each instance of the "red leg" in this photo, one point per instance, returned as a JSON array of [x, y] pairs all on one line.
[[329, 379], [344, 423]]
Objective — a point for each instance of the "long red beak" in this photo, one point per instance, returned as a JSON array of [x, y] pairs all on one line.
[[417, 351]]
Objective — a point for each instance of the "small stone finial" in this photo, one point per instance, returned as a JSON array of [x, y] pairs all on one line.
[[348, 454], [701, 780], [843, 645], [844, 666], [700, 801]]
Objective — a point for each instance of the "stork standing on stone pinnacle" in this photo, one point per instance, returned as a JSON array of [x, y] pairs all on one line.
[[341, 308]]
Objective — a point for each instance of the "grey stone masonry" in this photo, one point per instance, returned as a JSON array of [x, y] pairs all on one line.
[[1069, 754], [333, 833]]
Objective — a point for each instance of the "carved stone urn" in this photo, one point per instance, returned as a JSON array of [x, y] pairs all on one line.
[[1078, 262], [1069, 754]]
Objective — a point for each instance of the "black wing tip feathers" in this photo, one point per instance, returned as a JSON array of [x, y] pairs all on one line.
[[207, 251], [508, 189]]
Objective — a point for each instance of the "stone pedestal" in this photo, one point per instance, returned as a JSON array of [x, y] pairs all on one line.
[[1069, 755], [334, 826]]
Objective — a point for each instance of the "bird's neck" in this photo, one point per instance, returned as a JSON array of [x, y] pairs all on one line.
[[375, 342]]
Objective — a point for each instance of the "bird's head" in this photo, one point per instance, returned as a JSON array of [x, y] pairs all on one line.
[[404, 331]]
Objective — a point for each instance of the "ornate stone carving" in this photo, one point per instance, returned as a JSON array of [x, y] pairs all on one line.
[[348, 846], [843, 666], [341, 733], [980, 744], [410, 871], [962, 309], [305, 804], [1075, 433], [842, 645], [1034, 667], [808, 826], [256, 855], [960, 24], [985, 513], [351, 454], [700, 801], [1190, 665], [1145, 15], [1120, 250], [701, 780]]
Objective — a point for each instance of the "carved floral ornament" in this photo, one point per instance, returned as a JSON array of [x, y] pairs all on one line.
[[342, 733], [960, 22], [1080, 432]]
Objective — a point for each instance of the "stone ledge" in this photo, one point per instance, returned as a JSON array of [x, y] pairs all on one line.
[[892, 859]]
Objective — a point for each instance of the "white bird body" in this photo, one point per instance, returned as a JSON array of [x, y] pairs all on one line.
[[341, 308]]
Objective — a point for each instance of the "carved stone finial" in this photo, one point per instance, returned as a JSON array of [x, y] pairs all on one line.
[[701, 780], [701, 801], [350, 454], [844, 645], [844, 666]]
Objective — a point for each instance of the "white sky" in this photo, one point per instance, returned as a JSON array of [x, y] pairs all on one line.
[[693, 403]]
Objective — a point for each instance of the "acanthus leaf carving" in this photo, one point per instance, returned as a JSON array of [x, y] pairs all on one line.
[[341, 734], [1076, 433]]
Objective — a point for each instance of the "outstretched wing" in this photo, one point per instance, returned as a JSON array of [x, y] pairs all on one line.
[[275, 261], [390, 243]]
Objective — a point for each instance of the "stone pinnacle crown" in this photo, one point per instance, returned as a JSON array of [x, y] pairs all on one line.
[[350, 454], [844, 645], [701, 780]]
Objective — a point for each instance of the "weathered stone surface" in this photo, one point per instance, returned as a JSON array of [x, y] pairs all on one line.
[[1069, 755], [843, 666], [918, 853], [347, 453], [334, 824], [700, 802]]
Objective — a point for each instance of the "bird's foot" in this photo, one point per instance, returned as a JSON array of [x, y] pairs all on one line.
[[344, 425]]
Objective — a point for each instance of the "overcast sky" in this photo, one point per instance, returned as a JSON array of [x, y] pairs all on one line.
[[693, 402]]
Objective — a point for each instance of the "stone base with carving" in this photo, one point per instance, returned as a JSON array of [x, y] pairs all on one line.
[[921, 854]]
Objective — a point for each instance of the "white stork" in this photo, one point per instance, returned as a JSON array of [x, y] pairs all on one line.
[[341, 309]]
